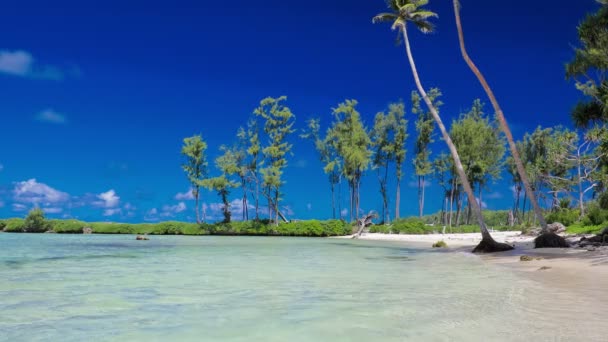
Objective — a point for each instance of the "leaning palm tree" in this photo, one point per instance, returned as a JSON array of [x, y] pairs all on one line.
[[501, 119], [401, 13]]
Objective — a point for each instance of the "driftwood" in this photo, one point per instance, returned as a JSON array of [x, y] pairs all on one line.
[[365, 222]]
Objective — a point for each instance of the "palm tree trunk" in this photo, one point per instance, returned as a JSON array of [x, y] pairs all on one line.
[[387, 218], [419, 197], [340, 196], [452, 201], [501, 119], [398, 198], [333, 200], [422, 201], [198, 218], [487, 244], [581, 193]]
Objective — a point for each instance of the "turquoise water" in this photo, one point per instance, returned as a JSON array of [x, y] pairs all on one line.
[[174, 288]]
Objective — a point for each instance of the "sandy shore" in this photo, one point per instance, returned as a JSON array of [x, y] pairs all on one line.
[[578, 271]]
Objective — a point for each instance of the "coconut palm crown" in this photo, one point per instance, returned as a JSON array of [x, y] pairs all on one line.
[[403, 11]]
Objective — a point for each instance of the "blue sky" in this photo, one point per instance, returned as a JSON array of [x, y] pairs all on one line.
[[96, 96]]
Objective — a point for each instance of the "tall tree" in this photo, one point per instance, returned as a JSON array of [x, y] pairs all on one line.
[[424, 128], [411, 11], [481, 149], [227, 165], [589, 68], [254, 150], [501, 119], [327, 155], [243, 168], [383, 154], [352, 143], [397, 112], [195, 166], [278, 125]]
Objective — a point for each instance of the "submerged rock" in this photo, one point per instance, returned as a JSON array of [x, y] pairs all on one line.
[[141, 237], [525, 258], [544, 268]]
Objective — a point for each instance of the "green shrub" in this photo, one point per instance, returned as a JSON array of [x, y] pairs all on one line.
[[580, 228], [564, 216], [380, 228], [255, 227], [67, 226], [410, 225], [14, 225], [440, 244], [35, 222], [603, 200], [595, 215]]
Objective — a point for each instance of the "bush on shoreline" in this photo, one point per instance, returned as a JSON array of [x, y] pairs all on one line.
[[417, 226], [313, 228]]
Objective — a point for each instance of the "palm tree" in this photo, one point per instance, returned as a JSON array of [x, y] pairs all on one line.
[[501, 119], [402, 12]]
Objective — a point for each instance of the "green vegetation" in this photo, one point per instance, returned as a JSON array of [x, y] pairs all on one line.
[[415, 225], [195, 166], [424, 127], [440, 244], [350, 138], [278, 126], [35, 222], [311, 228]]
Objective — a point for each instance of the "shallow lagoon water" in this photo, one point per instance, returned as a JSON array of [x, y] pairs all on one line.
[[113, 288]]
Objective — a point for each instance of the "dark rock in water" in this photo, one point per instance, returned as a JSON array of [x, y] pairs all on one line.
[[597, 241], [525, 258], [556, 228], [141, 237], [550, 240], [544, 268], [491, 246], [87, 230]]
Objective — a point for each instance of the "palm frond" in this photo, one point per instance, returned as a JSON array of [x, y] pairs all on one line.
[[392, 4], [424, 26], [424, 15], [384, 17]]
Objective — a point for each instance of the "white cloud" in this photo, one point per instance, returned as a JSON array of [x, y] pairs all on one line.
[[18, 63], [344, 212], [22, 64], [108, 199], [309, 206], [19, 207], [302, 163], [414, 184], [185, 196], [494, 195], [1, 204], [52, 210], [112, 212], [151, 215], [172, 210], [51, 116], [31, 191], [483, 204], [1, 167]]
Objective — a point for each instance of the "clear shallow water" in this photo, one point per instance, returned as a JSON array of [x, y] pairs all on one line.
[[113, 288]]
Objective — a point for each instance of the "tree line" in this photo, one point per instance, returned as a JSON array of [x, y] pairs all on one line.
[[554, 161]]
